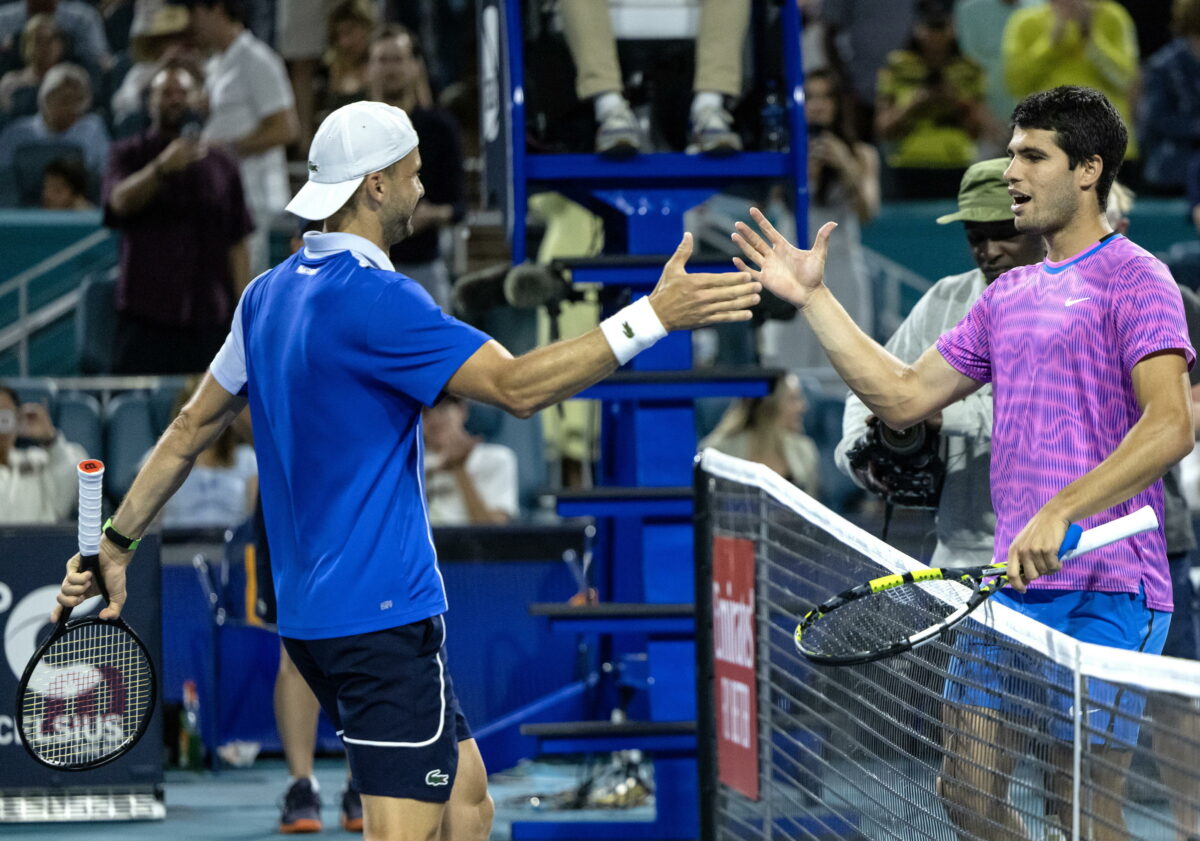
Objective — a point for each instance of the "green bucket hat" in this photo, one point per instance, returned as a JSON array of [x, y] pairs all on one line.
[[982, 194]]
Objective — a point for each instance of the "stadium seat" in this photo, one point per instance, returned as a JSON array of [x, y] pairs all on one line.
[[94, 322], [77, 416], [29, 162], [44, 394], [129, 432]]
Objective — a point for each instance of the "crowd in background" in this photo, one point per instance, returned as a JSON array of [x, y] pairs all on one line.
[[179, 119]]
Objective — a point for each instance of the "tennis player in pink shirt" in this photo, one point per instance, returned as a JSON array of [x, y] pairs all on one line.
[[1088, 356]]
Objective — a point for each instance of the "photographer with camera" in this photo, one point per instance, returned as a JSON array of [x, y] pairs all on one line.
[[943, 463], [37, 479]]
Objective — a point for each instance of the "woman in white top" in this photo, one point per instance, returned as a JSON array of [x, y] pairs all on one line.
[[770, 431]]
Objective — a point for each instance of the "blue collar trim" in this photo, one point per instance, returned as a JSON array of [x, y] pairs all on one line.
[[1083, 256]]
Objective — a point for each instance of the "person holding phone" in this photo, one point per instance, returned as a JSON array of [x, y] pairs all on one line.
[[37, 480]]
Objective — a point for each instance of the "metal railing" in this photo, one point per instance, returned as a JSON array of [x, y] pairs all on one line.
[[27, 323]]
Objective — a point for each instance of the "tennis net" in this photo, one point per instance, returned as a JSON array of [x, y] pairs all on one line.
[[1002, 730]]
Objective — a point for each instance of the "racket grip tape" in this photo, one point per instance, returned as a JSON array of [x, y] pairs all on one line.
[[91, 493], [1071, 540], [1141, 520]]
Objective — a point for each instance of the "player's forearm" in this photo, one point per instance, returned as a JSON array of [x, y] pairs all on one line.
[[881, 381], [1154, 445], [550, 374], [165, 471]]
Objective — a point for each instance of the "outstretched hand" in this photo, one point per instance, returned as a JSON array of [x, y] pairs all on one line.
[[790, 272], [685, 301], [78, 586]]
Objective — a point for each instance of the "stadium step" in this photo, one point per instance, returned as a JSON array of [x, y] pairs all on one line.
[[639, 272], [662, 737], [739, 381], [616, 617]]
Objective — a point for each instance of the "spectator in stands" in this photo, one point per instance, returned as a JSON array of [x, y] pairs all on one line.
[[351, 24], [965, 520], [222, 488], [929, 107], [843, 176], [1074, 42], [300, 37], [42, 47], [1170, 113], [37, 482], [180, 207], [64, 186], [80, 21], [158, 37], [251, 111], [979, 28], [397, 75], [770, 431], [63, 117], [467, 482], [858, 44], [723, 25]]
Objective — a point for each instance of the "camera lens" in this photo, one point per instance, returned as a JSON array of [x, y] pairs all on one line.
[[905, 442]]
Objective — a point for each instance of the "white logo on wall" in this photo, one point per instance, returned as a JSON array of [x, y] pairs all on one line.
[[32, 613]]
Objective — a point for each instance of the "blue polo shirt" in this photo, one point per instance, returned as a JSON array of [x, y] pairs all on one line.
[[337, 354]]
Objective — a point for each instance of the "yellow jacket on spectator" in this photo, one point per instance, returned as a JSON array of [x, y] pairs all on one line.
[[938, 137], [1106, 59]]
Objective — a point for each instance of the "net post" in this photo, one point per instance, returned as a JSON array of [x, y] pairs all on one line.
[[706, 737], [1077, 753]]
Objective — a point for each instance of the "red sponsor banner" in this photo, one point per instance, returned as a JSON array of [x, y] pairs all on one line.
[[734, 661]]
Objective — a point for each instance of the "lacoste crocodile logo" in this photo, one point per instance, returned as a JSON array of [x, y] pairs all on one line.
[[437, 778], [628, 330]]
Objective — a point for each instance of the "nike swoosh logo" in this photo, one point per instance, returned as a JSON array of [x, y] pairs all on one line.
[[1073, 301]]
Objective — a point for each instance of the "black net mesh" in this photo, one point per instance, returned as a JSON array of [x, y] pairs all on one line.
[[973, 736]]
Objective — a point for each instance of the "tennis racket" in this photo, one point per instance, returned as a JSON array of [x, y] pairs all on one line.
[[892, 614], [87, 695]]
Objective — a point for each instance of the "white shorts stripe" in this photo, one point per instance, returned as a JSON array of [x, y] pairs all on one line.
[[441, 716]]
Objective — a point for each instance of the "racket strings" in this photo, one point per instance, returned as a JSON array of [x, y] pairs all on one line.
[[881, 620], [87, 696]]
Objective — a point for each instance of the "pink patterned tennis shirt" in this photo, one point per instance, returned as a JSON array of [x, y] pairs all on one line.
[[1058, 342]]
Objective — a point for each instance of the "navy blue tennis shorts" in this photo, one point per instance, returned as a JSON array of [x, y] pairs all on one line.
[[391, 700]]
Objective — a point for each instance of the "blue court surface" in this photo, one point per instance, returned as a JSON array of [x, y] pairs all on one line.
[[244, 804]]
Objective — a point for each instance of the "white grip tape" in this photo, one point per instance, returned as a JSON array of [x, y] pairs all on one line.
[[632, 329], [91, 491], [1139, 521]]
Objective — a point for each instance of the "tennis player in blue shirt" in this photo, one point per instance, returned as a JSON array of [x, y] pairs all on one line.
[[336, 355]]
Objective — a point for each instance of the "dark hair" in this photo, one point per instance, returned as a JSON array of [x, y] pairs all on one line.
[[70, 170], [1185, 17], [843, 123], [1085, 124], [397, 30], [235, 10]]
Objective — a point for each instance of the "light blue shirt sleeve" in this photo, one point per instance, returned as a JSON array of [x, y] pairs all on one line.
[[229, 365]]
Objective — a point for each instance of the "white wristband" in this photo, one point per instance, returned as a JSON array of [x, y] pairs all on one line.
[[632, 330]]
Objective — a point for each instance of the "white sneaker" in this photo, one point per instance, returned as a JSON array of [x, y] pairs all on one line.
[[619, 134], [713, 133]]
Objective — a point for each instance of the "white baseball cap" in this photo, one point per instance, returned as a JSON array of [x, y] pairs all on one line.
[[352, 142]]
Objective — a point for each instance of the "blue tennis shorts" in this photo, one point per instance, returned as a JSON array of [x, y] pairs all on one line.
[[991, 674], [391, 700]]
